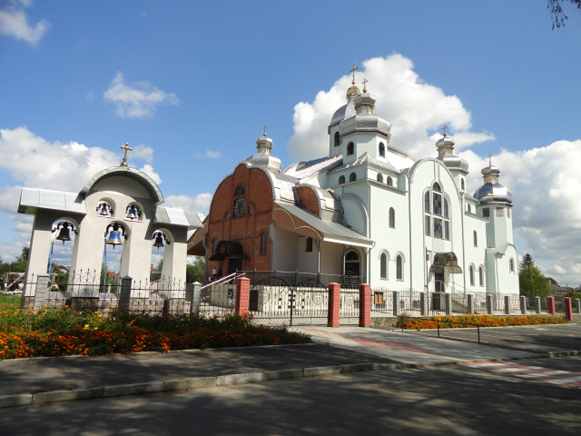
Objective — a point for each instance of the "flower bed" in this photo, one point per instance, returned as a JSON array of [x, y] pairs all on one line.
[[467, 321], [62, 332]]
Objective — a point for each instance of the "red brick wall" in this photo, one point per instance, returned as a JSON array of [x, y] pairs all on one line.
[[246, 229], [309, 200]]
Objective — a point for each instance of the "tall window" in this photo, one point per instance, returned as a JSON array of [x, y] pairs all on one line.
[[383, 266], [309, 246], [399, 267], [511, 265], [337, 139], [392, 217], [481, 276], [436, 213], [462, 185], [389, 181], [341, 180], [263, 241], [239, 201], [352, 177], [381, 149], [485, 212], [350, 148], [214, 245], [471, 272], [475, 235], [379, 178]]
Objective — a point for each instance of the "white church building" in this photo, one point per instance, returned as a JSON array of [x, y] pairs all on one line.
[[371, 210]]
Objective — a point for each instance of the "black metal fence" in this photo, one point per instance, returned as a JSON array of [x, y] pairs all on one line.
[[298, 278]]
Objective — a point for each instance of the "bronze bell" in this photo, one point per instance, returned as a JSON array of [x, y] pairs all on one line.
[[64, 233], [133, 211], [158, 240]]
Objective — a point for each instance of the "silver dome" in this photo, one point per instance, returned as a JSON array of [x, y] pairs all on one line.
[[489, 192]]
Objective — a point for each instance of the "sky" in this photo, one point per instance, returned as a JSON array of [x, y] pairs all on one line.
[[190, 85]]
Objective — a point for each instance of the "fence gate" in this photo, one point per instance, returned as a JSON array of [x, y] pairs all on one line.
[[279, 303]]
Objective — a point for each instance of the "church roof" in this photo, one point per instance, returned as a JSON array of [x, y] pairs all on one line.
[[366, 159], [121, 171], [34, 199], [177, 217], [303, 170]]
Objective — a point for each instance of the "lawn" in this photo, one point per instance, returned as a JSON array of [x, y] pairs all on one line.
[[62, 332]]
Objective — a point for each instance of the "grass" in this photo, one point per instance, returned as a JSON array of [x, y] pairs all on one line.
[[61, 332]]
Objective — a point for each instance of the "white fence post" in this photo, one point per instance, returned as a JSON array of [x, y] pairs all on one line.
[[196, 297], [523, 305], [448, 299], [470, 303], [488, 304], [395, 303], [538, 305], [41, 291]]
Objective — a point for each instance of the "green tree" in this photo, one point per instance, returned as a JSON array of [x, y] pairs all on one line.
[[557, 13], [532, 282], [195, 272]]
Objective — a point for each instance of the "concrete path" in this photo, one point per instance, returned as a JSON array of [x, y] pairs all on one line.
[[334, 351]]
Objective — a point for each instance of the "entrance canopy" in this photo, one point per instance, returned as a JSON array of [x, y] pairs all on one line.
[[447, 261], [293, 218], [230, 249]]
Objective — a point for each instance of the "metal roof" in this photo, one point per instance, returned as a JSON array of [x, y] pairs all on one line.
[[33, 199]]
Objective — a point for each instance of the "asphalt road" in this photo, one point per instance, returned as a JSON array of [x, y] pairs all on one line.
[[451, 400]]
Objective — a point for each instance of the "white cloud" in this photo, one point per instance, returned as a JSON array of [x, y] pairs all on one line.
[[137, 100], [209, 154], [38, 163], [14, 23], [200, 203], [413, 107]]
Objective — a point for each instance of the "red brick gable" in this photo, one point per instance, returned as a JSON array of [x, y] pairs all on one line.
[[309, 199], [247, 228]]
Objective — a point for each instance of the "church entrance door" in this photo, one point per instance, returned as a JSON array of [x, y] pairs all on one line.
[[234, 265]]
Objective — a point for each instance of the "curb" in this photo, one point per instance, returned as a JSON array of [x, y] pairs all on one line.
[[186, 384]]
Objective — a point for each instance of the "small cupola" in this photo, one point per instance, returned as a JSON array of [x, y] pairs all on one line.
[[492, 190], [445, 147], [263, 158]]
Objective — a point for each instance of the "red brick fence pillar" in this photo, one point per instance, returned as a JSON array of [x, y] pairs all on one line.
[[551, 306], [334, 304], [364, 305], [569, 308], [242, 295]]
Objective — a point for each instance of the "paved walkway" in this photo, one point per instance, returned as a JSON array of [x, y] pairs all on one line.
[[335, 350]]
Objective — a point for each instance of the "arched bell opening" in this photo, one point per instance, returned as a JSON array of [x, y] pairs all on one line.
[[134, 212], [105, 208], [63, 244], [160, 240], [115, 243]]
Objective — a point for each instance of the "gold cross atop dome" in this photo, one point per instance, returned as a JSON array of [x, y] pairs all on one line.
[[352, 71], [444, 128], [489, 160], [365, 85], [264, 129], [126, 148]]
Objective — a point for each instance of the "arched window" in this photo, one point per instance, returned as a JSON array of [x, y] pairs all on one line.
[[436, 213], [263, 241], [481, 276], [511, 265], [352, 177], [392, 217], [462, 185], [352, 263], [337, 139], [389, 181], [383, 266], [350, 148], [239, 201], [379, 178], [399, 267], [471, 272], [475, 239], [214, 245], [341, 180], [382, 149]]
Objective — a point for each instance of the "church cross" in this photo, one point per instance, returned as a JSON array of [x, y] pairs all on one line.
[[489, 160], [365, 85], [264, 129], [126, 148], [444, 128], [352, 71]]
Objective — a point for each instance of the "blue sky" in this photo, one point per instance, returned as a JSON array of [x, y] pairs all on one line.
[[190, 84]]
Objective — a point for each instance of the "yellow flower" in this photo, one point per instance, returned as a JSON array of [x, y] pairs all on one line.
[[86, 326], [96, 328]]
